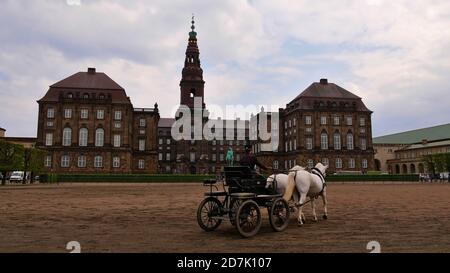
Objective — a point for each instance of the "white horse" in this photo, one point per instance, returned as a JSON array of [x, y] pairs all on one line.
[[307, 184]]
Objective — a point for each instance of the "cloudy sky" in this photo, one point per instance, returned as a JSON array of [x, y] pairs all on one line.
[[393, 54]]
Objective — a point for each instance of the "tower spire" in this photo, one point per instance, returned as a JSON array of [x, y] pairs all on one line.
[[192, 83]]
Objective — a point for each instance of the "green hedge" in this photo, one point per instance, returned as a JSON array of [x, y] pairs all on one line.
[[127, 178], [383, 177], [155, 178]]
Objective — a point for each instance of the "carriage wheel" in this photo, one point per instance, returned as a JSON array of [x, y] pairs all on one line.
[[234, 205], [208, 209], [248, 218], [279, 214]]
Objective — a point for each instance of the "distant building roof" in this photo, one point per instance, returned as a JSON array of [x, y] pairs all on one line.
[[2, 129], [428, 145], [87, 82], [434, 133], [324, 90]]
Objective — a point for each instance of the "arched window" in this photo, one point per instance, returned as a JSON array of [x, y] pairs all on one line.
[[337, 141], [67, 137], [192, 93], [324, 141], [99, 137], [349, 141], [83, 137]]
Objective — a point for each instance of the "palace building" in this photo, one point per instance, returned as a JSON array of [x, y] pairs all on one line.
[[87, 124], [325, 123]]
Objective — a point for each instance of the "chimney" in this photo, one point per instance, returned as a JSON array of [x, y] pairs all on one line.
[[424, 141], [91, 70], [323, 81]]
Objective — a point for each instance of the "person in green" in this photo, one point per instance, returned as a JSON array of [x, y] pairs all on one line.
[[230, 157]]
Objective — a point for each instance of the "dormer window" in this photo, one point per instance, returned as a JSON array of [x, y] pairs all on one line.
[[85, 96], [101, 96], [192, 94], [70, 95]]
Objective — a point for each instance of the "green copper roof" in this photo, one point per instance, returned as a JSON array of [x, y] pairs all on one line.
[[416, 136]]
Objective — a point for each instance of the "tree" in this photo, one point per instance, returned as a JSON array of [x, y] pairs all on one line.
[[35, 163], [11, 158], [428, 160]]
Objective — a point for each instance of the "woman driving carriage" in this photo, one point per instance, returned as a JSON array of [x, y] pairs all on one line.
[[250, 160]]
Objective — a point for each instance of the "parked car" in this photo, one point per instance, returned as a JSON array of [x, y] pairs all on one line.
[[16, 176]]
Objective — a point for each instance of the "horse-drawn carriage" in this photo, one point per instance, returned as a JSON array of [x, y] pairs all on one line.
[[243, 193]]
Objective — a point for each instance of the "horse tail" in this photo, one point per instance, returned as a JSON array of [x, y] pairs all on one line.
[[290, 186]]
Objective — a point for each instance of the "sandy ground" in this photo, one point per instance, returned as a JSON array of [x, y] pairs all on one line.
[[162, 218]]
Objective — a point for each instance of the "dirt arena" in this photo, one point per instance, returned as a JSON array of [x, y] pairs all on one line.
[[162, 218]]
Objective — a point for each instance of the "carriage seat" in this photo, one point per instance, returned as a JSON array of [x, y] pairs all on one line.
[[242, 179]]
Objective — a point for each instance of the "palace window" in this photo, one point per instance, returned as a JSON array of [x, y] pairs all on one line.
[[168, 156], [50, 113], [275, 164], [308, 120], [65, 161], [363, 144], [142, 122], [98, 161], [84, 113], [364, 163], [310, 163], [141, 164], [82, 161], [116, 162], [160, 156], [336, 120], [83, 137], [349, 121], [48, 161], [100, 114], [362, 122], [214, 157], [309, 143], [337, 141], [116, 141], [323, 120], [325, 161], [99, 137], [349, 141], [117, 115], [351, 163], [48, 139], [338, 163], [141, 144], [324, 141], [68, 113], [67, 137]]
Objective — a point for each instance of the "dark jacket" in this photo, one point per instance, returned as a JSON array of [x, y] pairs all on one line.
[[251, 161]]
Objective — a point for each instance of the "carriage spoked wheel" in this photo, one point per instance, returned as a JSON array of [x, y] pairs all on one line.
[[279, 214], [208, 211], [234, 205], [248, 218]]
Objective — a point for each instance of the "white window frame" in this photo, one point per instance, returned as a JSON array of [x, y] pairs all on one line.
[[350, 140], [84, 113], [214, 157], [309, 143], [141, 145], [65, 161], [100, 114], [325, 161], [81, 162], [351, 163], [336, 120], [83, 137], [116, 140], [337, 141], [349, 121], [116, 162], [160, 156], [362, 121], [99, 137], [98, 161], [310, 163], [324, 141], [67, 137], [308, 120], [48, 161], [68, 113], [49, 139], [117, 115], [338, 163], [168, 156], [51, 113], [323, 120], [363, 144], [142, 122], [141, 164], [364, 163]]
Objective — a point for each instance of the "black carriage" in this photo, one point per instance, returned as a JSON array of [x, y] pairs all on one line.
[[243, 193]]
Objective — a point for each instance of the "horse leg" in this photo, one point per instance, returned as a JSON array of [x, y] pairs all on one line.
[[313, 206], [325, 202], [301, 216]]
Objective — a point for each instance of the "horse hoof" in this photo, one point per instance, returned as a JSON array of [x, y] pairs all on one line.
[[325, 217], [315, 220], [300, 224]]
